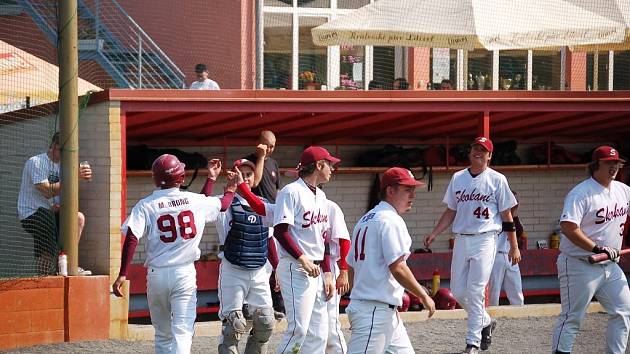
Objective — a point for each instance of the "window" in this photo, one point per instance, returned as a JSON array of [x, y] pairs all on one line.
[[312, 59], [443, 67], [597, 80], [314, 3], [281, 3], [479, 70], [351, 67], [621, 73], [512, 70], [277, 50], [384, 67], [546, 68], [351, 4]]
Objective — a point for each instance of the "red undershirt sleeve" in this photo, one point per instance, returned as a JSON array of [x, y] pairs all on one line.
[[254, 201], [208, 187], [272, 254], [129, 248], [281, 233], [226, 200], [344, 249]]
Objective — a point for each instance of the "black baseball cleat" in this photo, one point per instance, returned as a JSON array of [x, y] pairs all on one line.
[[471, 349], [486, 335]]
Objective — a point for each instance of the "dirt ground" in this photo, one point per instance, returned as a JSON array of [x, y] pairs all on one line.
[[513, 335]]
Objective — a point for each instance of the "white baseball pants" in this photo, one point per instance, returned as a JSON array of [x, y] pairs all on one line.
[[579, 282], [376, 329], [238, 285], [305, 304], [507, 276], [172, 298], [336, 341], [473, 257]]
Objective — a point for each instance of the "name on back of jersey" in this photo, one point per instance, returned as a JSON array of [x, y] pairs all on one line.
[[605, 214], [173, 203], [310, 218], [462, 196]]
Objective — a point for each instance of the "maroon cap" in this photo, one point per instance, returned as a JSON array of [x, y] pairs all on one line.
[[246, 162], [485, 142], [606, 153], [399, 176], [313, 154]]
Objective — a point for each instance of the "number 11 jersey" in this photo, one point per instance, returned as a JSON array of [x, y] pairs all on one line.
[[378, 240], [173, 220]]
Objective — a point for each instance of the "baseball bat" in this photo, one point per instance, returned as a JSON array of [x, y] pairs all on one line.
[[599, 257]]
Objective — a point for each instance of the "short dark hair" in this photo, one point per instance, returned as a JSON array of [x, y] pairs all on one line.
[[592, 167], [55, 139], [375, 85], [402, 83], [307, 170], [199, 68]]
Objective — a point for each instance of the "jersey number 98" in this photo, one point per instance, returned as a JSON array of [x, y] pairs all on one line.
[[185, 221]]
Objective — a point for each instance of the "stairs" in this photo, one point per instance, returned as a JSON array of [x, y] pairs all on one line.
[[108, 35]]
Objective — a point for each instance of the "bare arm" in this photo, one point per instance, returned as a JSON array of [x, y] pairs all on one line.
[[404, 276], [573, 232], [445, 221], [261, 153], [48, 190], [514, 254]]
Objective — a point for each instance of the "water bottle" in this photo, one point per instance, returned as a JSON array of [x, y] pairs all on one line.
[[63, 264]]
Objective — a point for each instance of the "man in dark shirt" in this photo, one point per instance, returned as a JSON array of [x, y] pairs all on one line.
[[267, 185], [267, 174]]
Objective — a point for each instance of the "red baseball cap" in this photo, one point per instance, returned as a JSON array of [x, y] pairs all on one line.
[[485, 142], [246, 162], [606, 153], [313, 154], [399, 176]]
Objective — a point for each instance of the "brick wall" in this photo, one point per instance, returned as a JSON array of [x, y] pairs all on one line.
[[541, 194], [100, 199], [31, 312]]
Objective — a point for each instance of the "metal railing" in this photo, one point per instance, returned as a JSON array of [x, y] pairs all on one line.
[[110, 36]]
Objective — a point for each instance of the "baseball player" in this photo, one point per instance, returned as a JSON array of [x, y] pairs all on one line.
[[505, 274], [301, 219], [378, 270], [478, 204], [173, 221], [244, 272], [338, 240], [593, 221]]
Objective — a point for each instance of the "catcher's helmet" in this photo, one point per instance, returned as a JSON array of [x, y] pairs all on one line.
[[168, 172], [406, 301], [444, 300]]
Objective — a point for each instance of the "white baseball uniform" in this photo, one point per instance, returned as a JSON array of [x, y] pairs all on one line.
[[338, 230], [600, 213], [306, 213], [478, 203], [206, 84], [173, 221], [505, 275], [379, 239]]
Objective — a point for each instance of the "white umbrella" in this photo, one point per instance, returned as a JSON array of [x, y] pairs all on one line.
[[469, 24], [616, 10]]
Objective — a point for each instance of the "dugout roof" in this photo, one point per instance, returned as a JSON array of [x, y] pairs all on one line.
[[235, 117]]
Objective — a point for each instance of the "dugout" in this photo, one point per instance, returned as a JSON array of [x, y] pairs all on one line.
[[226, 123]]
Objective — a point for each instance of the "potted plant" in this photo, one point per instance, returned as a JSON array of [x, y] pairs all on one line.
[[309, 80]]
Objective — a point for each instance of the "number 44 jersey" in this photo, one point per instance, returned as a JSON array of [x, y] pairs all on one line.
[[379, 239], [173, 221]]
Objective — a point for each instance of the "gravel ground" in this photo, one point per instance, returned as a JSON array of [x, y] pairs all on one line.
[[513, 335]]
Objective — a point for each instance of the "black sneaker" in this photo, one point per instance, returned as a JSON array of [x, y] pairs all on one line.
[[471, 349], [486, 335]]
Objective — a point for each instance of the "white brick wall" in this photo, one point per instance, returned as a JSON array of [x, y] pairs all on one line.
[[541, 194]]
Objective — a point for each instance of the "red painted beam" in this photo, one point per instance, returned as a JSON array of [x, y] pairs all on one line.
[[419, 126], [529, 119], [312, 124], [565, 126], [358, 126]]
